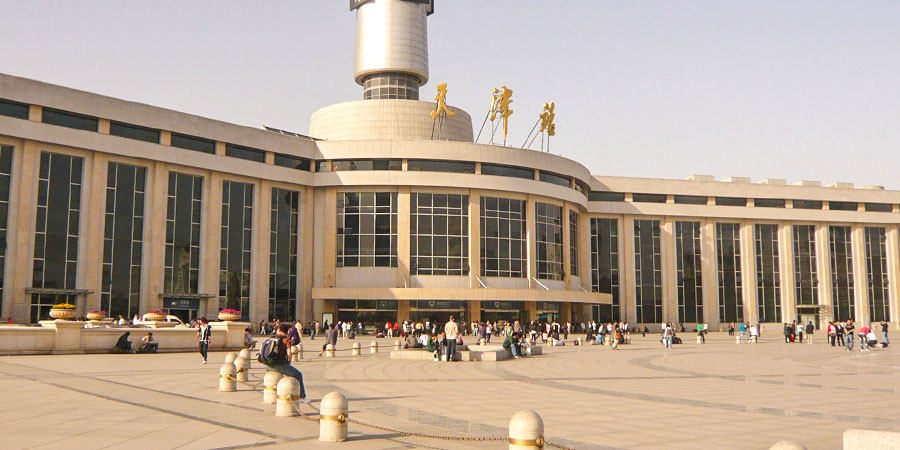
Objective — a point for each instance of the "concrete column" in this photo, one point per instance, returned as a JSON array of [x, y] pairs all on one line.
[[565, 312], [584, 251], [709, 272], [626, 276], [893, 262], [786, 268], [402, 310], [35, 113], [403, 236], [92, 223], [103, 126], [220, 148], [211, 235], [531, 309], [531, 241], [474, 310], [165, 138], [307, 236], [155, 201], [860, 274], [329, 237], [669, 268], [20, 234], [259, 257], [567, 259], [823, 268], [474, 241], [748, 272]]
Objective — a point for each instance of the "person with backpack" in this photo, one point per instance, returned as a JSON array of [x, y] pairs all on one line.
[[294, 333], [276, 354]]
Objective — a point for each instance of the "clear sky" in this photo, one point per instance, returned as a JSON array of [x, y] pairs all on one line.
[[802, 90]]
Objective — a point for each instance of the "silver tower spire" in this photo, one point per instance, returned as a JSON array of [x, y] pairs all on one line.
[[391, 47]]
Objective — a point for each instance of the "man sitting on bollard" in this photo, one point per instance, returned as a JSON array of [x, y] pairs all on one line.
[[331, 337], [248, 338], [277, 356]]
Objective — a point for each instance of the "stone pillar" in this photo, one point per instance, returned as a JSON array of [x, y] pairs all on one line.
[[669, 266], [531, 310], [473, 307], [860, 275], [709, 272], [748, 272], [259, 257], [567, 242], [403, 268], [626, 276], [20, 231], [474, 246], [402, 310], [91, 239], [307, 236], [786, 268], [893, 267], [211, 235], [531, 242], [584, 250], [823, 270]]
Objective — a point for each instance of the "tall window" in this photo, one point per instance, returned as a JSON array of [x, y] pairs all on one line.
[[234, 263], [6, 154], [573, 243], [367, 229], [439, 234], [503, 251], [123, 240], [549, 237], [283, 236], [184, 202], [690, 281], [841, 272], [56, 230], [728, 255], [768, 277], [605, 265], [876, 271], [806, 282], [647, 271]]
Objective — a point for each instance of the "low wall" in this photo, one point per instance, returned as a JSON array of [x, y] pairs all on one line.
[[68, 337], [857, 439]]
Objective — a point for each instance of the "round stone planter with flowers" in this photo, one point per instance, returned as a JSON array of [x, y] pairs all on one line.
[[63, 311], [155, 315], [229, 315], [96, 315]]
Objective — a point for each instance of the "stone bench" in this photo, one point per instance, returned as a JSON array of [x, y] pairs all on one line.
[[463, 353]]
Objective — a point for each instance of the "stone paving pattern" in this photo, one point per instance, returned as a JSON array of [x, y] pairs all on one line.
[[717, 395]]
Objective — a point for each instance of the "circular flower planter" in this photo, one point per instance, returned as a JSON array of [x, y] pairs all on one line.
[[63, 314], [96, 316], [229, 317], [155, 317]]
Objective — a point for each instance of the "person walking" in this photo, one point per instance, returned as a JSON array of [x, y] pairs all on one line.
[[809, 332], [668, 334], [884, 333], [451, 332], [743, 328], [280, 360], [701, 332], [787, 333], [848, 327], [203, 335], [799, 332]]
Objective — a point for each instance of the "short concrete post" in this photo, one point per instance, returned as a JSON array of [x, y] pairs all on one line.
[[287, 400], [699, 339], [229, 357], [526, 431], [294, 356], [755, 338], [333, 418], [397, 345], [245, 353], [481, 341], [329, 351], [226, 378], [373, 347], [356, 349], [737, 339], [299, 352], [787, 445], [270, 386], [242, 365]]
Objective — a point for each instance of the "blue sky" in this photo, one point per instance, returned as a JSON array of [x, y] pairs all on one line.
[[802, 90]]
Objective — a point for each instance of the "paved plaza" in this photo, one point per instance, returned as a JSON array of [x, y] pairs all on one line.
[[718, 395]]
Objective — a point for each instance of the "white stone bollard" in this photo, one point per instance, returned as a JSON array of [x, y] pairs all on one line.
[[329, 351], [699, 339], [356, 349], [373, 348], [333, 413], [294, 357], [227, 378], [526, 431], [755, 338], [288, 397], [242, 365], [859, 439], [299, 352], [737, 339], [397, 345], [270, 386], [229, 357], [787, 445], [245, 353]]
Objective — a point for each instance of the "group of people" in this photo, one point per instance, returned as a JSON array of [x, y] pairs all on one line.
[[842, 334], [146, 344]]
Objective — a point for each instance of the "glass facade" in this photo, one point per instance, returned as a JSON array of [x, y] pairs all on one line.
[[648, 271], [648, 198], [235, 250], [503, 251], [13, 109], [6, 155], [768, 274], [439, 234], [553, 178], [123, 232], [182, 258], [427, 165], [129, 131], [56, 230], [573, 243], [841, 272], [690, 280], [806, 280], [549, 237], [283, 242], [291, 162], [193, 143], [605, 265], [877, 274], [366, 164], [250, 154], [728, 257], [391, 85], [69, 120], [367, 229], [507, 171]]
